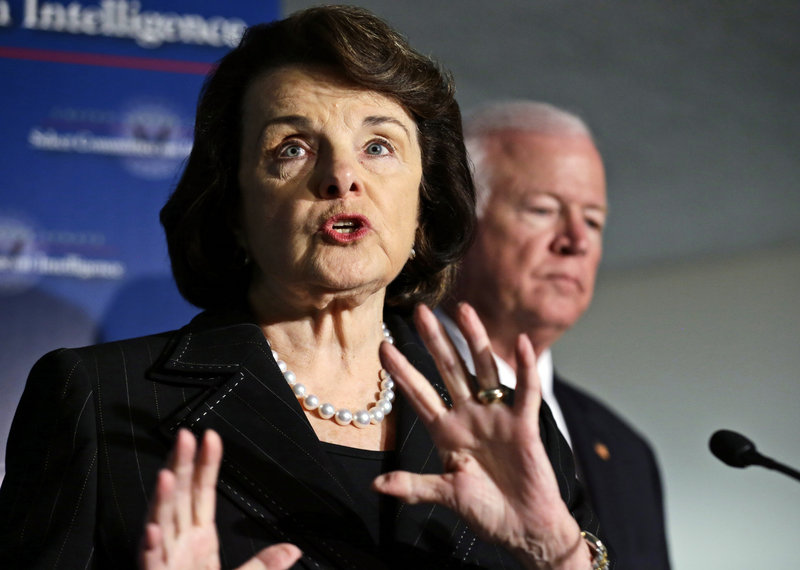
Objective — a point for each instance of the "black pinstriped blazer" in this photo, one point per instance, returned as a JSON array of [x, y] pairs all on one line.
[[95, 424]]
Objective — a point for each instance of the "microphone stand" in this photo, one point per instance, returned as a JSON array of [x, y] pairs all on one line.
[[776, 466]]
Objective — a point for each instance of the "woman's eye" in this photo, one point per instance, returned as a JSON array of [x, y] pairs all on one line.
[[378, 148], [292, 151]]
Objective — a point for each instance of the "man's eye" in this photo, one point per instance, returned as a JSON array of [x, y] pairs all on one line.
[[596, 224], [541, 210], [292, 151]]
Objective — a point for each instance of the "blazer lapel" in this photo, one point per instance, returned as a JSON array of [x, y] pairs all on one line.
[[269, 443], [423, 530]]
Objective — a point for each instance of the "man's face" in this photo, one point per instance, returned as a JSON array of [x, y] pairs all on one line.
[[539, 240]]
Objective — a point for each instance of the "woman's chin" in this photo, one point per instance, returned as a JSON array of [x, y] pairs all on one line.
[[353, 272], [353, 279], [357, 286]]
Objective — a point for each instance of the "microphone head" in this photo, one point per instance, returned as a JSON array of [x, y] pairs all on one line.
[[733, 448]]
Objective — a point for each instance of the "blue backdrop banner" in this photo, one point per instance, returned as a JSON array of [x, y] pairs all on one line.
[[98, 106]]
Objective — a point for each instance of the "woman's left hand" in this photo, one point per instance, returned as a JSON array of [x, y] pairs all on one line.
[[497, 474]]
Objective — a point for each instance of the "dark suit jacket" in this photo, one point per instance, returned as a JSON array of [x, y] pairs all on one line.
[[619, 470], [95, 424]]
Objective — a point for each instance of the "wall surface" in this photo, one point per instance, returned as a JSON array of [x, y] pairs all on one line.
[[688, 348]]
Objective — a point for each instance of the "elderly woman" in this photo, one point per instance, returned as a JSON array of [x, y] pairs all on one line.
[[326, 196]]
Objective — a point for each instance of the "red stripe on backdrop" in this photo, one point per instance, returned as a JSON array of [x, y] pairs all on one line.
[[102, 60]]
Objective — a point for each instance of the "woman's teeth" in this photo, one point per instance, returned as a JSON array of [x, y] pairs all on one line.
[[345, 227]]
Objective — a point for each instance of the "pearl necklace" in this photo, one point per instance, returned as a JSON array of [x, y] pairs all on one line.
[[372, 414]]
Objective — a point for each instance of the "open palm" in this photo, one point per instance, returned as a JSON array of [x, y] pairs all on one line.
[[180, 533], [497, 475]]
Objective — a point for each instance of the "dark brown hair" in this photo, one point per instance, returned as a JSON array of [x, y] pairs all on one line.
[[199, 217]]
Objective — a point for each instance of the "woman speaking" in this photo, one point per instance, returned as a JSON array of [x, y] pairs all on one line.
[[326, 198]]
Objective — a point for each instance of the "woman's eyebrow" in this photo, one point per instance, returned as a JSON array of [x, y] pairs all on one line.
[[375, 120], [291, 120], [296, 121]]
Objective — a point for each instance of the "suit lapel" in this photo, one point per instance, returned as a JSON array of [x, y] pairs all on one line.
[[591, 442], [425, 527], [415, 449], [269, 443]]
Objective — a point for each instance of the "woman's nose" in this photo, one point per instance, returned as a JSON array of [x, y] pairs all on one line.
[[339, 177]]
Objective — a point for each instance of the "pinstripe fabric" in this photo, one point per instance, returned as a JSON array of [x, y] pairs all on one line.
[[95, 425]]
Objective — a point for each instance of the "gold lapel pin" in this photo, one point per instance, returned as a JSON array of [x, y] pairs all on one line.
[[602, 451]]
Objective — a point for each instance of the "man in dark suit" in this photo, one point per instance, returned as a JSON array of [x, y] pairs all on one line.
[[541, 194]]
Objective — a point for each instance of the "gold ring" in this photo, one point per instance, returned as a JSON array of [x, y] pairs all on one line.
[[492, 395]]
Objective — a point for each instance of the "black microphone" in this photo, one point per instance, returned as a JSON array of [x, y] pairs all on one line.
[[736, 450]]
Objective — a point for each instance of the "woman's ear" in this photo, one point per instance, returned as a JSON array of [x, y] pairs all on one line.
[[240, 236]]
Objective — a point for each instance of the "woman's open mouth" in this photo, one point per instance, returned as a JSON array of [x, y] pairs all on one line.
[[345, 228]]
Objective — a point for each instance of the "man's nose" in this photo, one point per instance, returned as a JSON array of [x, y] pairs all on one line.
[[572, 237]]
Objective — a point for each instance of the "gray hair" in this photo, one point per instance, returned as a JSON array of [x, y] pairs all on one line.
[[517, 116]]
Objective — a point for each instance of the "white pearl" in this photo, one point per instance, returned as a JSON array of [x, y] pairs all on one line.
[[376, 415], [362, 418], [311, 402], [326, 411], [344, 417]]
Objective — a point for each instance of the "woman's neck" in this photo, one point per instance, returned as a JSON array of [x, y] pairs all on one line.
[[333, 351], [347, 329]]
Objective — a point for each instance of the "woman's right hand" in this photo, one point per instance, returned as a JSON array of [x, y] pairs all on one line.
[[497, 475], [180, 532]]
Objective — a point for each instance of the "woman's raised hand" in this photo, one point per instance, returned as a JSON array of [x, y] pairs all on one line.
[[180, 532], [497, 475]]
